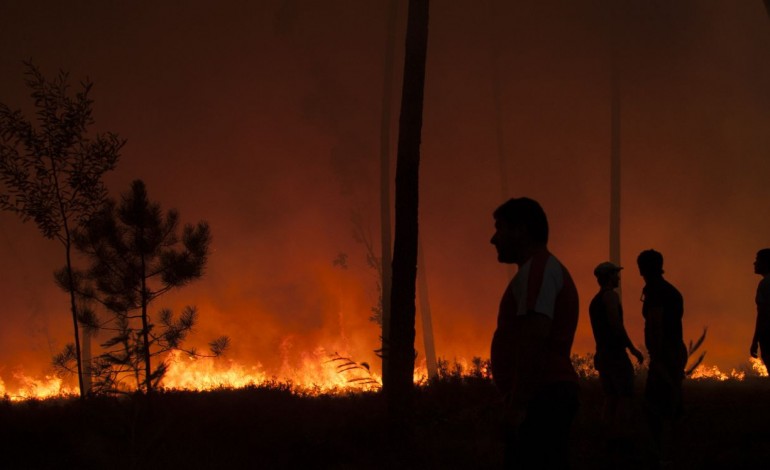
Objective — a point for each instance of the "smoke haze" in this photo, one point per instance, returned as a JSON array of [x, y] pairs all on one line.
[[263, 119]]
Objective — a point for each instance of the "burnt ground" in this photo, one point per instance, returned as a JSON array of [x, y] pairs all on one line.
[[456, 425]]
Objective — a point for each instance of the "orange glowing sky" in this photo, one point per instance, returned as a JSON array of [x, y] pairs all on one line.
[[263, 119]]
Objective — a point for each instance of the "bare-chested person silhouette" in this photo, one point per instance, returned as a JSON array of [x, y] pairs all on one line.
[[663, 310], [531, 347], [761, 338], [616, 373]]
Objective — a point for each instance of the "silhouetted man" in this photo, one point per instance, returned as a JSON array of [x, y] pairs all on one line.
[[762, 328], [663, 310], [531, 347], [616, 373]]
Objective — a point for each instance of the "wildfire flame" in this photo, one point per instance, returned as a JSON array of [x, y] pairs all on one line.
[[32, 388], [318, 373], [758, 367], [713, 373]]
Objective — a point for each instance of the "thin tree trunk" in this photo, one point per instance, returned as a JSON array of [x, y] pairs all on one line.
[[615, 141], [615, 166], [399, 391], [74, 310], [425, 314], [505, 192], [767, 6], [68, 251], [146, 331], [497, 102], [386, 256]]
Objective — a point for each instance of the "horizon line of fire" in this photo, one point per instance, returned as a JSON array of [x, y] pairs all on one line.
[[319, 374]]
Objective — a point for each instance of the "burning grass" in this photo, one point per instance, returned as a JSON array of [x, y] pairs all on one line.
[[271, 425]]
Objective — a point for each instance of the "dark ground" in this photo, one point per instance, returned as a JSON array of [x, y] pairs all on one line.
[[727, 425]]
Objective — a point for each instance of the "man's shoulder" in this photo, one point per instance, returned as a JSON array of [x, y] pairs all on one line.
[[596, 304], [670, 290], [554, 264], [550, 258], [661, 292]]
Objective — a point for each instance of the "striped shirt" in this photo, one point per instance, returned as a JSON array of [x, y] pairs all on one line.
[[542, 285]]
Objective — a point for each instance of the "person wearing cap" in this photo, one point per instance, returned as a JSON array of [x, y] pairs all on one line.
[[616, 374], [663, 309], [761, 339], [530, 354]]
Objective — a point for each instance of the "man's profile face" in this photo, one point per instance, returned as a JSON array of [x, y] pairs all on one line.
[[615, 279], [610, 279], [508, 239], [643, 270], [646, 270], [760, 267]]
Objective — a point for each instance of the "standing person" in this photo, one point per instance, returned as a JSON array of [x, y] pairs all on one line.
[[531, 346], [663, 309], [616, 373], [761, 338]]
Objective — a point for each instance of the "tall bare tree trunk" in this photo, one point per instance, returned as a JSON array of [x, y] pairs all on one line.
[[74, 310], [68, 252], [146, 331], [497, 101], [425, 314], [386, 240], [615, 173], [400, 387], [615, 161]]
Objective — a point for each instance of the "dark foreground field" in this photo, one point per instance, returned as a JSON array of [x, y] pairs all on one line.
[[727, 425]]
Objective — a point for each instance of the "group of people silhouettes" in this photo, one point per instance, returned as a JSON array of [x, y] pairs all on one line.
[[536, 323], [662, 310]]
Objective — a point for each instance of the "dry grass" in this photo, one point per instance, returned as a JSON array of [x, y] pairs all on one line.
[[456, 426]]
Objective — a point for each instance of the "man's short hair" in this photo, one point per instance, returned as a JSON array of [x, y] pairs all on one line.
[[527, 212], [650, 262]]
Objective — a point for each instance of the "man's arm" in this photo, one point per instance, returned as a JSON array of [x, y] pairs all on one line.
[[763, 315], [760, 327], [611, 301], [755, 338]]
